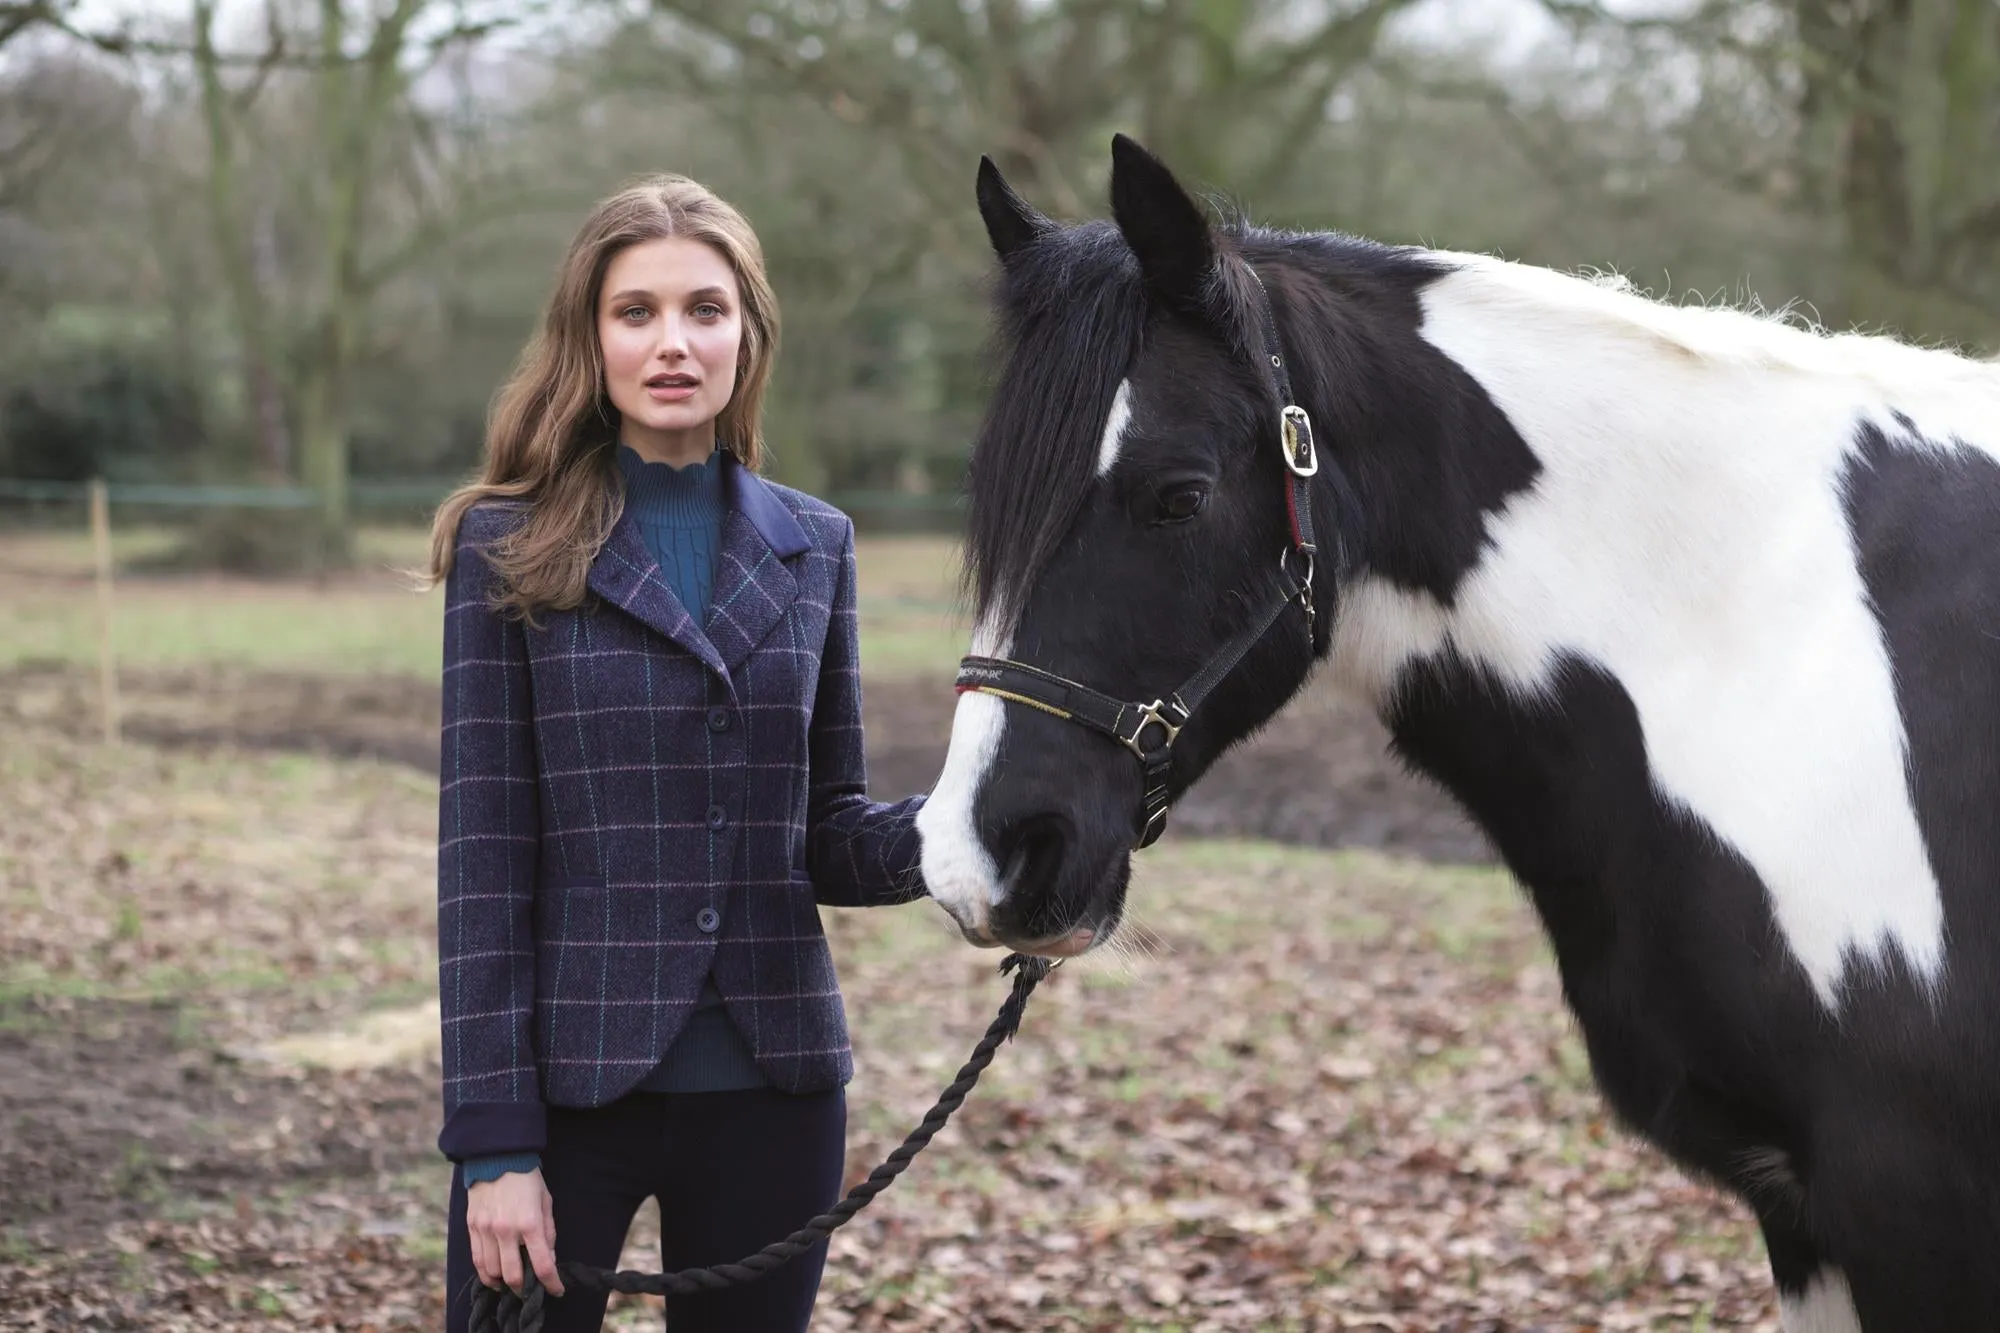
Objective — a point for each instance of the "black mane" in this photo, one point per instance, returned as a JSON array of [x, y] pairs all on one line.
[[1070, 312], [1071, 315]]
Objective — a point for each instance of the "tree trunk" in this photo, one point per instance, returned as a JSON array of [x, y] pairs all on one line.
[[323, 442]]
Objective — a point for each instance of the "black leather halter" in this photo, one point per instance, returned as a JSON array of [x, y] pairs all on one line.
[[1148, 730]]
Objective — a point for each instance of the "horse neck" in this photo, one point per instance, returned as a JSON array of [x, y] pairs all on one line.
[[1552, 475]]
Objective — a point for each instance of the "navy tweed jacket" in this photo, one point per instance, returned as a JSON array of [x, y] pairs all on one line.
[[627, 798]]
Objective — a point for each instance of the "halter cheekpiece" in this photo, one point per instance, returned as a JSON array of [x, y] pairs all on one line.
[[1149, 730]]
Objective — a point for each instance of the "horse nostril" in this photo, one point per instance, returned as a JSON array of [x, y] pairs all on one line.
[[1034, 861]]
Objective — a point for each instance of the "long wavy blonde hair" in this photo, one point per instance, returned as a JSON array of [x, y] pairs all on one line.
[[552, 431]]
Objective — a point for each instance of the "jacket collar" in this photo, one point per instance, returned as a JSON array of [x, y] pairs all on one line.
[[753, 586]]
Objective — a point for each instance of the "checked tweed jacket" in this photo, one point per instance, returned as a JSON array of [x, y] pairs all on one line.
[[628, 798]]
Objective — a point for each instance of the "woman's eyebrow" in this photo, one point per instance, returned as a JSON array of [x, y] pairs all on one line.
[[642, 294]]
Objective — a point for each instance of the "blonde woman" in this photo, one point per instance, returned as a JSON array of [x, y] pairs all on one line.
[[652, 777]]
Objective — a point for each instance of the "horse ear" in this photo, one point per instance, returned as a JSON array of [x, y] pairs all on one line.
[[1010, 222], [1162, 223]]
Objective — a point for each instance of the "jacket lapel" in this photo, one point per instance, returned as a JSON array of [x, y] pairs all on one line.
[[626, 575], [754, 588]]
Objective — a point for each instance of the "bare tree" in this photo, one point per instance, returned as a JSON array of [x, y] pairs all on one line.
[[1234, 90], [20, 16], [1893, 109], [327, 177]]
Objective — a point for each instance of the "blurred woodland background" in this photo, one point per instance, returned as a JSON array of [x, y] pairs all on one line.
[[262, 265], [300, 241]]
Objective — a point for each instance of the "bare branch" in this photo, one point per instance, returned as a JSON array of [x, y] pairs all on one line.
[[1344, 41], [17, 17], [277, 53]]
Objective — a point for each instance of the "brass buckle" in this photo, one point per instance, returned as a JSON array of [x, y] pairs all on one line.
[[1297, 430], [1152, 713]]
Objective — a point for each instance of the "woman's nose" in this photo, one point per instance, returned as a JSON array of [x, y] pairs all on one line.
[[673, 340]]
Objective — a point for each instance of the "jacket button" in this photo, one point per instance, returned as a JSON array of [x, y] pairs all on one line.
[[718, 719], [717, 816], [708, 919]]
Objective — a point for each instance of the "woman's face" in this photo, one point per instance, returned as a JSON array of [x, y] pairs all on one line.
[[670, 325]]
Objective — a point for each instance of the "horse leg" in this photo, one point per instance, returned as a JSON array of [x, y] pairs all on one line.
[[1909, 1217], [1812, 1293]]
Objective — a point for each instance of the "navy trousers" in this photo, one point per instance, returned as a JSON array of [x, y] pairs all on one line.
[[733, 1171]]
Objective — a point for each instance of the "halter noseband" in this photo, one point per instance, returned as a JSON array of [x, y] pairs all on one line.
[[1148, 730]]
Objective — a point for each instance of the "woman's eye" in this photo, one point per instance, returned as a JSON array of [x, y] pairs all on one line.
[[708, 310], [633, 313], [1182, 503]]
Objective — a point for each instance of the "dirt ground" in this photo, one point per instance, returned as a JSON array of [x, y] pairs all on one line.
[[1325, 1090], [1317, 776]]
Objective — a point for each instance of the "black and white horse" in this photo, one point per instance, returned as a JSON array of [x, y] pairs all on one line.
[[1697, 613]]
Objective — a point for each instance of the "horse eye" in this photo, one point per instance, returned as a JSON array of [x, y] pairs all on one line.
[[1182, 503]]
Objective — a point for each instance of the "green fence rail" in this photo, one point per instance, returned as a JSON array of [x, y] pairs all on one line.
[[181, 496], [374, 494]]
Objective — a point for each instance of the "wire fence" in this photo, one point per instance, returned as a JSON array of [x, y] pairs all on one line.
[[40, 508], [401, 499]]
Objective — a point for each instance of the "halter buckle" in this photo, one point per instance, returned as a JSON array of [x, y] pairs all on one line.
[[1297, 430], [1154, 714]]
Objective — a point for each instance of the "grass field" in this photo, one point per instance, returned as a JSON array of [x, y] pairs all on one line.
[[371, 620], [1322, 1090]]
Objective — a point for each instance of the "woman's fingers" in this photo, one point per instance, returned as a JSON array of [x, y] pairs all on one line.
[[547, 1271], [504, 1215], [543, 1256], [510, 1262], [485, 1258]]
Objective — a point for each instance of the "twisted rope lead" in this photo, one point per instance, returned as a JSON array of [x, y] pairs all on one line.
[[497, 1310]]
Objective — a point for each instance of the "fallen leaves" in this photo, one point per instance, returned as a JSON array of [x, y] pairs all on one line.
[[1336, 1091]]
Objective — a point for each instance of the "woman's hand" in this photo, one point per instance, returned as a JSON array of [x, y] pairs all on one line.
[[505, 1214]]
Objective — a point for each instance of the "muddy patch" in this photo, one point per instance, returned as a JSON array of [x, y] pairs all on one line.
[[1319, 775], [118, 1111]]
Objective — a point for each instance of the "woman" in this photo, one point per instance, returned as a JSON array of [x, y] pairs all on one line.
[[652, 775]]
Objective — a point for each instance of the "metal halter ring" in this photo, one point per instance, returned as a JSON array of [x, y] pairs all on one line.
[[1305, 581], [1150, 715], [1305, 593]]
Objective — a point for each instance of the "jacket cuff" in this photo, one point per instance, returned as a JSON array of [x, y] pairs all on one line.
[[487, 1129]]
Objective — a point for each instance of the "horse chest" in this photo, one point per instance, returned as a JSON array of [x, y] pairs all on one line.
[[1650, 912]]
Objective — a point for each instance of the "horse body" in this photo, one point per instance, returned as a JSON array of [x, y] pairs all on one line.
[[1696, 613], [1723, 686]]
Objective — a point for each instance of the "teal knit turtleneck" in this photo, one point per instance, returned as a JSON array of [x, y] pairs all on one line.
[[679, 513]]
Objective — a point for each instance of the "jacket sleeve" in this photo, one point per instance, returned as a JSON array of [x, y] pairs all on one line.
[[488, 833], [860, 853]]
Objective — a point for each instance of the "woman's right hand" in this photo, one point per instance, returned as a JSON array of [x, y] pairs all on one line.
[[505, 1214]]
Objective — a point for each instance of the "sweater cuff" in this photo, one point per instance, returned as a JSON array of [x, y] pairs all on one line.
[[488, 1129], [479, 1170]]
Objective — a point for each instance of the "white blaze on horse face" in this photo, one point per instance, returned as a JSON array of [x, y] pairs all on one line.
[[1687, 534], [1114, 429], [958, 870], [1826, 1306]]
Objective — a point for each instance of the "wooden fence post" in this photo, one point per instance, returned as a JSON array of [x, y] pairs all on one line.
[[107, 670]]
